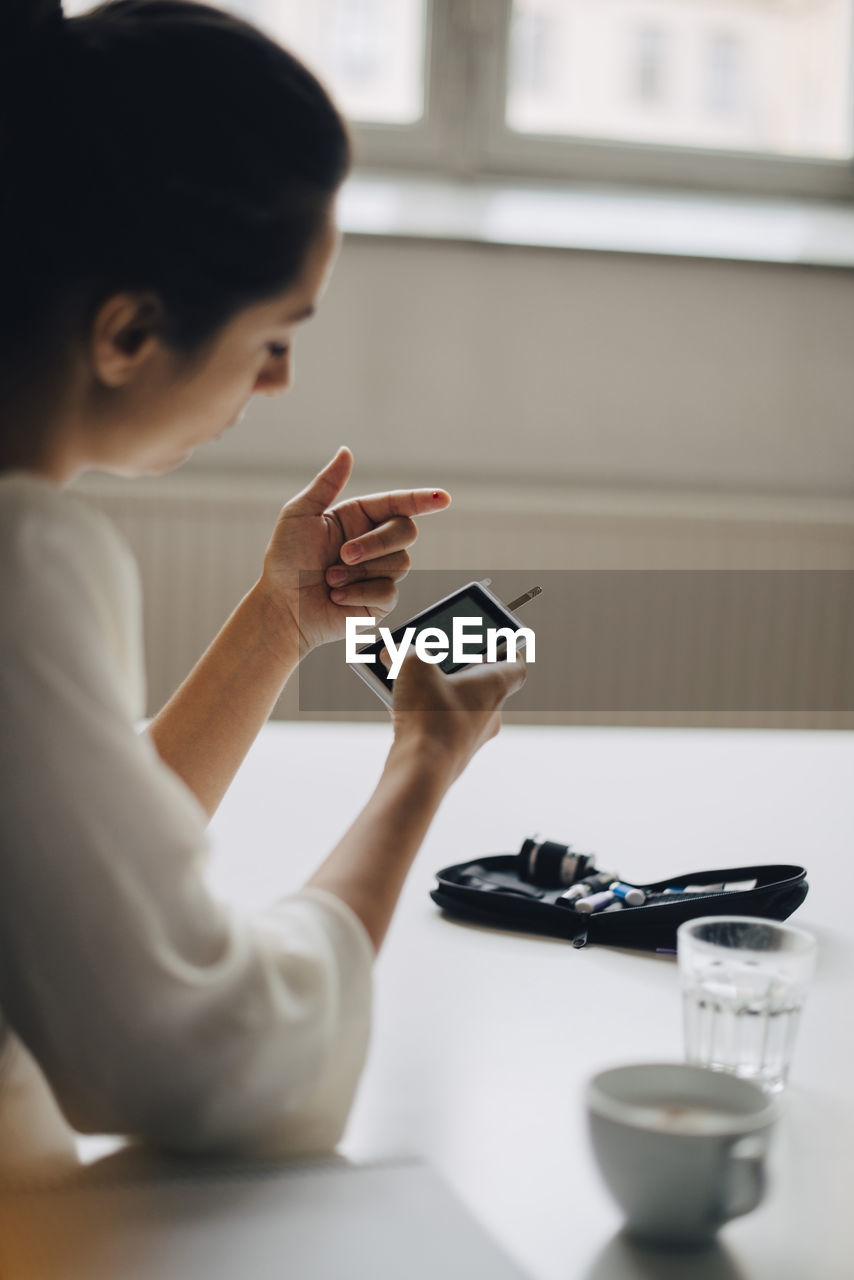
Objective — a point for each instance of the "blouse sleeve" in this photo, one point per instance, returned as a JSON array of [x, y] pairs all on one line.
[[151, 1008]]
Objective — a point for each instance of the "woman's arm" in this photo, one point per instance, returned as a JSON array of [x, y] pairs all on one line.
[[440, 722], [369, 865], [211, 721]]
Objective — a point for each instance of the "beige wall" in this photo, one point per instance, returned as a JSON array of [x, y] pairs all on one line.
[[439, 361]]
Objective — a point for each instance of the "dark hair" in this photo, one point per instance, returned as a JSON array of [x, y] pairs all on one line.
[[151, 145]]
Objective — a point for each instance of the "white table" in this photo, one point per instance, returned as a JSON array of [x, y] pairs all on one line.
[[483, 1040]]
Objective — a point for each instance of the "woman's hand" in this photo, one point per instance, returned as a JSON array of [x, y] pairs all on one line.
[[326, 563], [452, 716]]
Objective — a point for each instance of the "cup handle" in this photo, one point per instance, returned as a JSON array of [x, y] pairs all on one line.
[[745, 1185]]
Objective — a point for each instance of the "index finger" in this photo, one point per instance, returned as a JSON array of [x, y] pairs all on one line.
[[400, 502]]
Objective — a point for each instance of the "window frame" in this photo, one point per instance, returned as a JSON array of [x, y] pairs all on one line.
[[428, 144], [464, 134]]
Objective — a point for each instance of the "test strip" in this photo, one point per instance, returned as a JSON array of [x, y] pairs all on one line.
[[523, 599]]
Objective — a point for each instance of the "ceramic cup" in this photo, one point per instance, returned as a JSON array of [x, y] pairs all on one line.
[[682, 1148]]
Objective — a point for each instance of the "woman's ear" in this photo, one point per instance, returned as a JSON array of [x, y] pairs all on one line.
[[125, 332]]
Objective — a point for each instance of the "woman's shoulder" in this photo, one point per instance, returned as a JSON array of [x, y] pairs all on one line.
[[40, 520], [69, 585], [27, 497]]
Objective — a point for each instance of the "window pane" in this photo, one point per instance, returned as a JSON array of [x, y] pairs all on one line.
[[755, 75], [369, 52]]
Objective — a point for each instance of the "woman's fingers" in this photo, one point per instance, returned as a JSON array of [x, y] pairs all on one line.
[[395, 566], [314, 499], [494, 679], [478, 688], [365, 513], [378, 594], [386, 538]]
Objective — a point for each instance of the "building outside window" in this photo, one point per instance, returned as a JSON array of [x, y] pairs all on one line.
[[530, 62], [649, 69], [723, 78]]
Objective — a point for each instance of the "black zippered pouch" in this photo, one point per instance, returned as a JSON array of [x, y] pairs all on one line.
[[503, 891]]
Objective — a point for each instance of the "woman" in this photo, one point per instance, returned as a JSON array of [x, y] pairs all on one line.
[[167, 220]]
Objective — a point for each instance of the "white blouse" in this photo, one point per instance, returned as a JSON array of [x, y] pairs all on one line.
[[132, 1001]]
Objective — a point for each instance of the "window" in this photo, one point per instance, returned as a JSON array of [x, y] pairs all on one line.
[[738, 94], [723, 73], [370, 52], [649, 65], [533, 56], [735, 94]]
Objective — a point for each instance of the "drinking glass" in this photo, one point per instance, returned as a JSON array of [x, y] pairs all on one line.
[[744, 982]]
